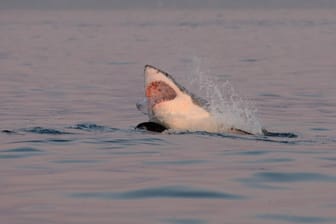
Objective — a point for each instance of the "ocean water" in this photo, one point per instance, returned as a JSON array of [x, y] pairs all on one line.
[[69, 82]]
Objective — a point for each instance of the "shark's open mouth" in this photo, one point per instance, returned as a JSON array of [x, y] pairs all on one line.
[[159, 91]]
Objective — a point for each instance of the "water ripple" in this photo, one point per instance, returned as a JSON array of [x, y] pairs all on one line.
[[282, 138], [64, 161], [48, 131], [292, 177], [21, 152], [260, 179], [43, 141], [161, 192], [175, 162], [272, 160], [184, 221], [22, 149], [296, 219], [134, 141], [92, 127]]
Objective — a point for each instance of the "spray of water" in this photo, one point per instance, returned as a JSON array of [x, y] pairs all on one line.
[[226, 106]]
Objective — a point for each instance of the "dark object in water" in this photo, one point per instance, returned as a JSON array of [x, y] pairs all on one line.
[[8, 132], [151, 126], [279, 134]]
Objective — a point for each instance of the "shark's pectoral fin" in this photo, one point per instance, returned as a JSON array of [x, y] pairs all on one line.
[[151, 126]]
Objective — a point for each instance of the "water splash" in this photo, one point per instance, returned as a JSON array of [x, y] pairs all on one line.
[[227, 107], [143, 106]]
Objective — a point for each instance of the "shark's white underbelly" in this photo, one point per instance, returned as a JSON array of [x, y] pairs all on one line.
[[183, 114]]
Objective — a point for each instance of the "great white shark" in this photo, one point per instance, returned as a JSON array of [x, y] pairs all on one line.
[[171, 106]]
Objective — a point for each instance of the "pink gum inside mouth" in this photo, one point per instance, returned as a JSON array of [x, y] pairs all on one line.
[[159, 91]]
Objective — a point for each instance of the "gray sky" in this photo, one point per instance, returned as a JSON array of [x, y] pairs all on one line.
[[116, 4]]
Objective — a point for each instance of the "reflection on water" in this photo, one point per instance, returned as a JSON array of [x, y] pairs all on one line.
[[69, 152]]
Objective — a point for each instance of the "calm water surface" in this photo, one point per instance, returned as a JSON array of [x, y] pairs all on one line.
[[69, 81]]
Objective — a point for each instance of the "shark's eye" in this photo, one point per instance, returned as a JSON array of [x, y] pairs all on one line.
[[159, 91]]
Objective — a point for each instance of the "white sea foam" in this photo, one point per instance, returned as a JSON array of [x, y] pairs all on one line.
[[226, 106]]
